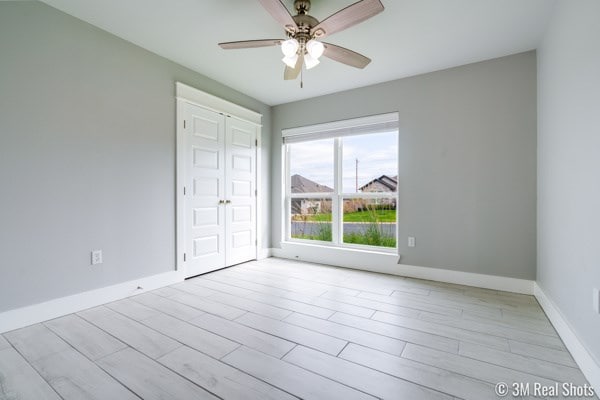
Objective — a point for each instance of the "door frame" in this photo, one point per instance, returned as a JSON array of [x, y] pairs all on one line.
[[187, 94]]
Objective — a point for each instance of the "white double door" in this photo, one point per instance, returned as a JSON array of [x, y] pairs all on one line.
[[220, 200]]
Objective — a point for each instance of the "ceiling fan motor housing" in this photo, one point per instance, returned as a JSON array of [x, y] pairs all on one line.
[[305, 23]]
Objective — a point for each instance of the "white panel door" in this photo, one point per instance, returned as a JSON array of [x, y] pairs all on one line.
[[240, 191], [204, 212]]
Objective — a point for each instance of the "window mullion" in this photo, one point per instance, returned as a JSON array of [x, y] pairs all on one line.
[[287, 227]]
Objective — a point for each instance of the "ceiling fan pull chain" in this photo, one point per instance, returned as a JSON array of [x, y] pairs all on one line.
[[302, 78]]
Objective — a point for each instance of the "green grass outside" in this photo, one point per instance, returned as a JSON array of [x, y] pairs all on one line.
[[354, 238], [359, 216], [370, 239], [371, 216], [370, 235]]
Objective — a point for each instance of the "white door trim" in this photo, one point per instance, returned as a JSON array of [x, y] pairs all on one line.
[[210, 102], [179, 187], [188, 94]]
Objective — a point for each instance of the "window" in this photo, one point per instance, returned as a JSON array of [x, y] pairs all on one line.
[[341, 182]]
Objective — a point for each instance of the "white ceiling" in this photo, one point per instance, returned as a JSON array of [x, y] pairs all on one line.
[[410, 37]]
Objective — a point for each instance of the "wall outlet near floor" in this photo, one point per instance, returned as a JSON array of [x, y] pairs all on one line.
[[96, 257], [596, 300], [411, 241]]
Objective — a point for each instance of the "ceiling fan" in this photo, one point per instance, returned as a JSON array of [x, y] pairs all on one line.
[[303, 31]]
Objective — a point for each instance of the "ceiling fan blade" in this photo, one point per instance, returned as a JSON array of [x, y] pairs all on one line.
[[292, 73], [280, 13], [347, 17], [345, 56], [248, 44]]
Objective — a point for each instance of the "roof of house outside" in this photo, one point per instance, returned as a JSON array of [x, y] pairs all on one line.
[[301, 184], [390, 182]]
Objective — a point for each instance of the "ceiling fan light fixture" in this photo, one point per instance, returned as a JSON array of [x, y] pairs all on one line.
[[290, 61], [315, 48], [289, 47], [310, 61]]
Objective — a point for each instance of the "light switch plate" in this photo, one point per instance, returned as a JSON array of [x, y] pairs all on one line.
[[411, 241]]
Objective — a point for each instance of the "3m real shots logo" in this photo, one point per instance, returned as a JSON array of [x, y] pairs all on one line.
[[536, 389]]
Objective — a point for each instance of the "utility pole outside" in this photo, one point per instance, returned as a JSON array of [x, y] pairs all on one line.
[[356, 175]]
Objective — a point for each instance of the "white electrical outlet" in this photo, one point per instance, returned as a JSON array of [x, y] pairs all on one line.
[[96, 257], [411, 241], [596, 300]]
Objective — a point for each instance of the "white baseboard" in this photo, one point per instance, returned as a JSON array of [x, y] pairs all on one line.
[[387, 263], [494, 282], [33, 314], [583, 358], [261, 254]]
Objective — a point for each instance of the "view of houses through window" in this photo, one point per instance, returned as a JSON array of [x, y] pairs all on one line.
[[343, 190]]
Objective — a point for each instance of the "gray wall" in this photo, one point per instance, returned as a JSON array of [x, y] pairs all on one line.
[[569, 166], [87, 155], [467, 155]]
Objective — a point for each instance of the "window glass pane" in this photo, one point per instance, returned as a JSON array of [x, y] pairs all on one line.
[[370, 222], [311, 219], [370, 163], [311, 166]]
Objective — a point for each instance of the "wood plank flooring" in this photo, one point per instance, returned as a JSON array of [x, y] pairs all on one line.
[[280, 329]]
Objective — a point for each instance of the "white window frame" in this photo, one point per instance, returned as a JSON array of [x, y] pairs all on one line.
[[337, 131]]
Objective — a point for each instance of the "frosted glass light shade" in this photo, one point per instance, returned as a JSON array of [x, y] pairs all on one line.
[[289, 47], [290, 61], [310, 61], [315, 48]]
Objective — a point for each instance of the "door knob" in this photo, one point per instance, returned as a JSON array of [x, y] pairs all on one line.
[[221, 201], [227, 201]]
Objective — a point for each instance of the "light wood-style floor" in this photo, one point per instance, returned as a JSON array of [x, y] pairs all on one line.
[[277, 329]]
